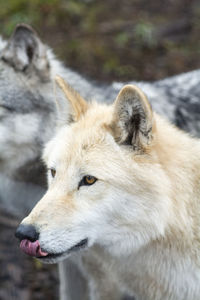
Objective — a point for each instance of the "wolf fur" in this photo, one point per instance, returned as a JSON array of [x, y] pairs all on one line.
[[28, 117], [141, 216]]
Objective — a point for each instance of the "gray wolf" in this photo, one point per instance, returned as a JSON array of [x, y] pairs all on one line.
[[28, 118], [124, 184]]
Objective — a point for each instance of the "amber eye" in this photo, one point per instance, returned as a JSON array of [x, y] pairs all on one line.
[[87, 180], [53, 172]]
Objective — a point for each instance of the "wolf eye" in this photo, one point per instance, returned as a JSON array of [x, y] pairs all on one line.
[[87, 180], [53, 172]]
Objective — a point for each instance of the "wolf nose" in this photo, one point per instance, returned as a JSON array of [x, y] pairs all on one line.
[[26, 232]]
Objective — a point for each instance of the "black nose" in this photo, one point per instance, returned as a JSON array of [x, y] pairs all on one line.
[[28, 232]]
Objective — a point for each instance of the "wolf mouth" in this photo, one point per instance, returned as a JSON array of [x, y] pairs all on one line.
[[81, 245]]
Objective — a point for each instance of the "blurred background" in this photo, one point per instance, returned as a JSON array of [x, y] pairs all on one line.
[[114, 40], [106, 40]]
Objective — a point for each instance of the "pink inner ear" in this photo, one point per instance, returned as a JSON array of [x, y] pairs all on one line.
[[32, 248]]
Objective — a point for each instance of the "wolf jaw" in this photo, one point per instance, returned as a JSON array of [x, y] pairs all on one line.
[[34, 249]]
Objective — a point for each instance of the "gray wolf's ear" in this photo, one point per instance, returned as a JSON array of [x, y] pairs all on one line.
[[73, 106], [25, 52], [133, 118]]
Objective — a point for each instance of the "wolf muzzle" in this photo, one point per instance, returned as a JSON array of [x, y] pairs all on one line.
[[29, 243]]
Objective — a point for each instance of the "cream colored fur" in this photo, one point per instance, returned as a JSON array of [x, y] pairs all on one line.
[[142, 215]]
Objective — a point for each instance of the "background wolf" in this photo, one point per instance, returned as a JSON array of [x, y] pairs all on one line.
[[27, 116]]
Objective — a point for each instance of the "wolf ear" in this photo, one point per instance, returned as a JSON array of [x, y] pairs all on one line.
[[74, 107], [25, 52], [133, 118]]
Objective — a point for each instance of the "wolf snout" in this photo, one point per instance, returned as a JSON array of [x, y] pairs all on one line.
[[29, 244]]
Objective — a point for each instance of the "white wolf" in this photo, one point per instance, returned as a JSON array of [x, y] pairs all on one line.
[[125, 184]]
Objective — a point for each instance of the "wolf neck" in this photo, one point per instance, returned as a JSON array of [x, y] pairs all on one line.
[[179, 156]]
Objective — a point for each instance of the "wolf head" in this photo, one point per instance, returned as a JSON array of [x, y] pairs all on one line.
[[105, 183]]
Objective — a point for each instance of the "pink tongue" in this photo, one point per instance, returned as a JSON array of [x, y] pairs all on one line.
[[32, 248]]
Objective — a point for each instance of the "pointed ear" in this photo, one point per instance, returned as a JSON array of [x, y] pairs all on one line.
[[26, 53], [133, 118], [73, 106]]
